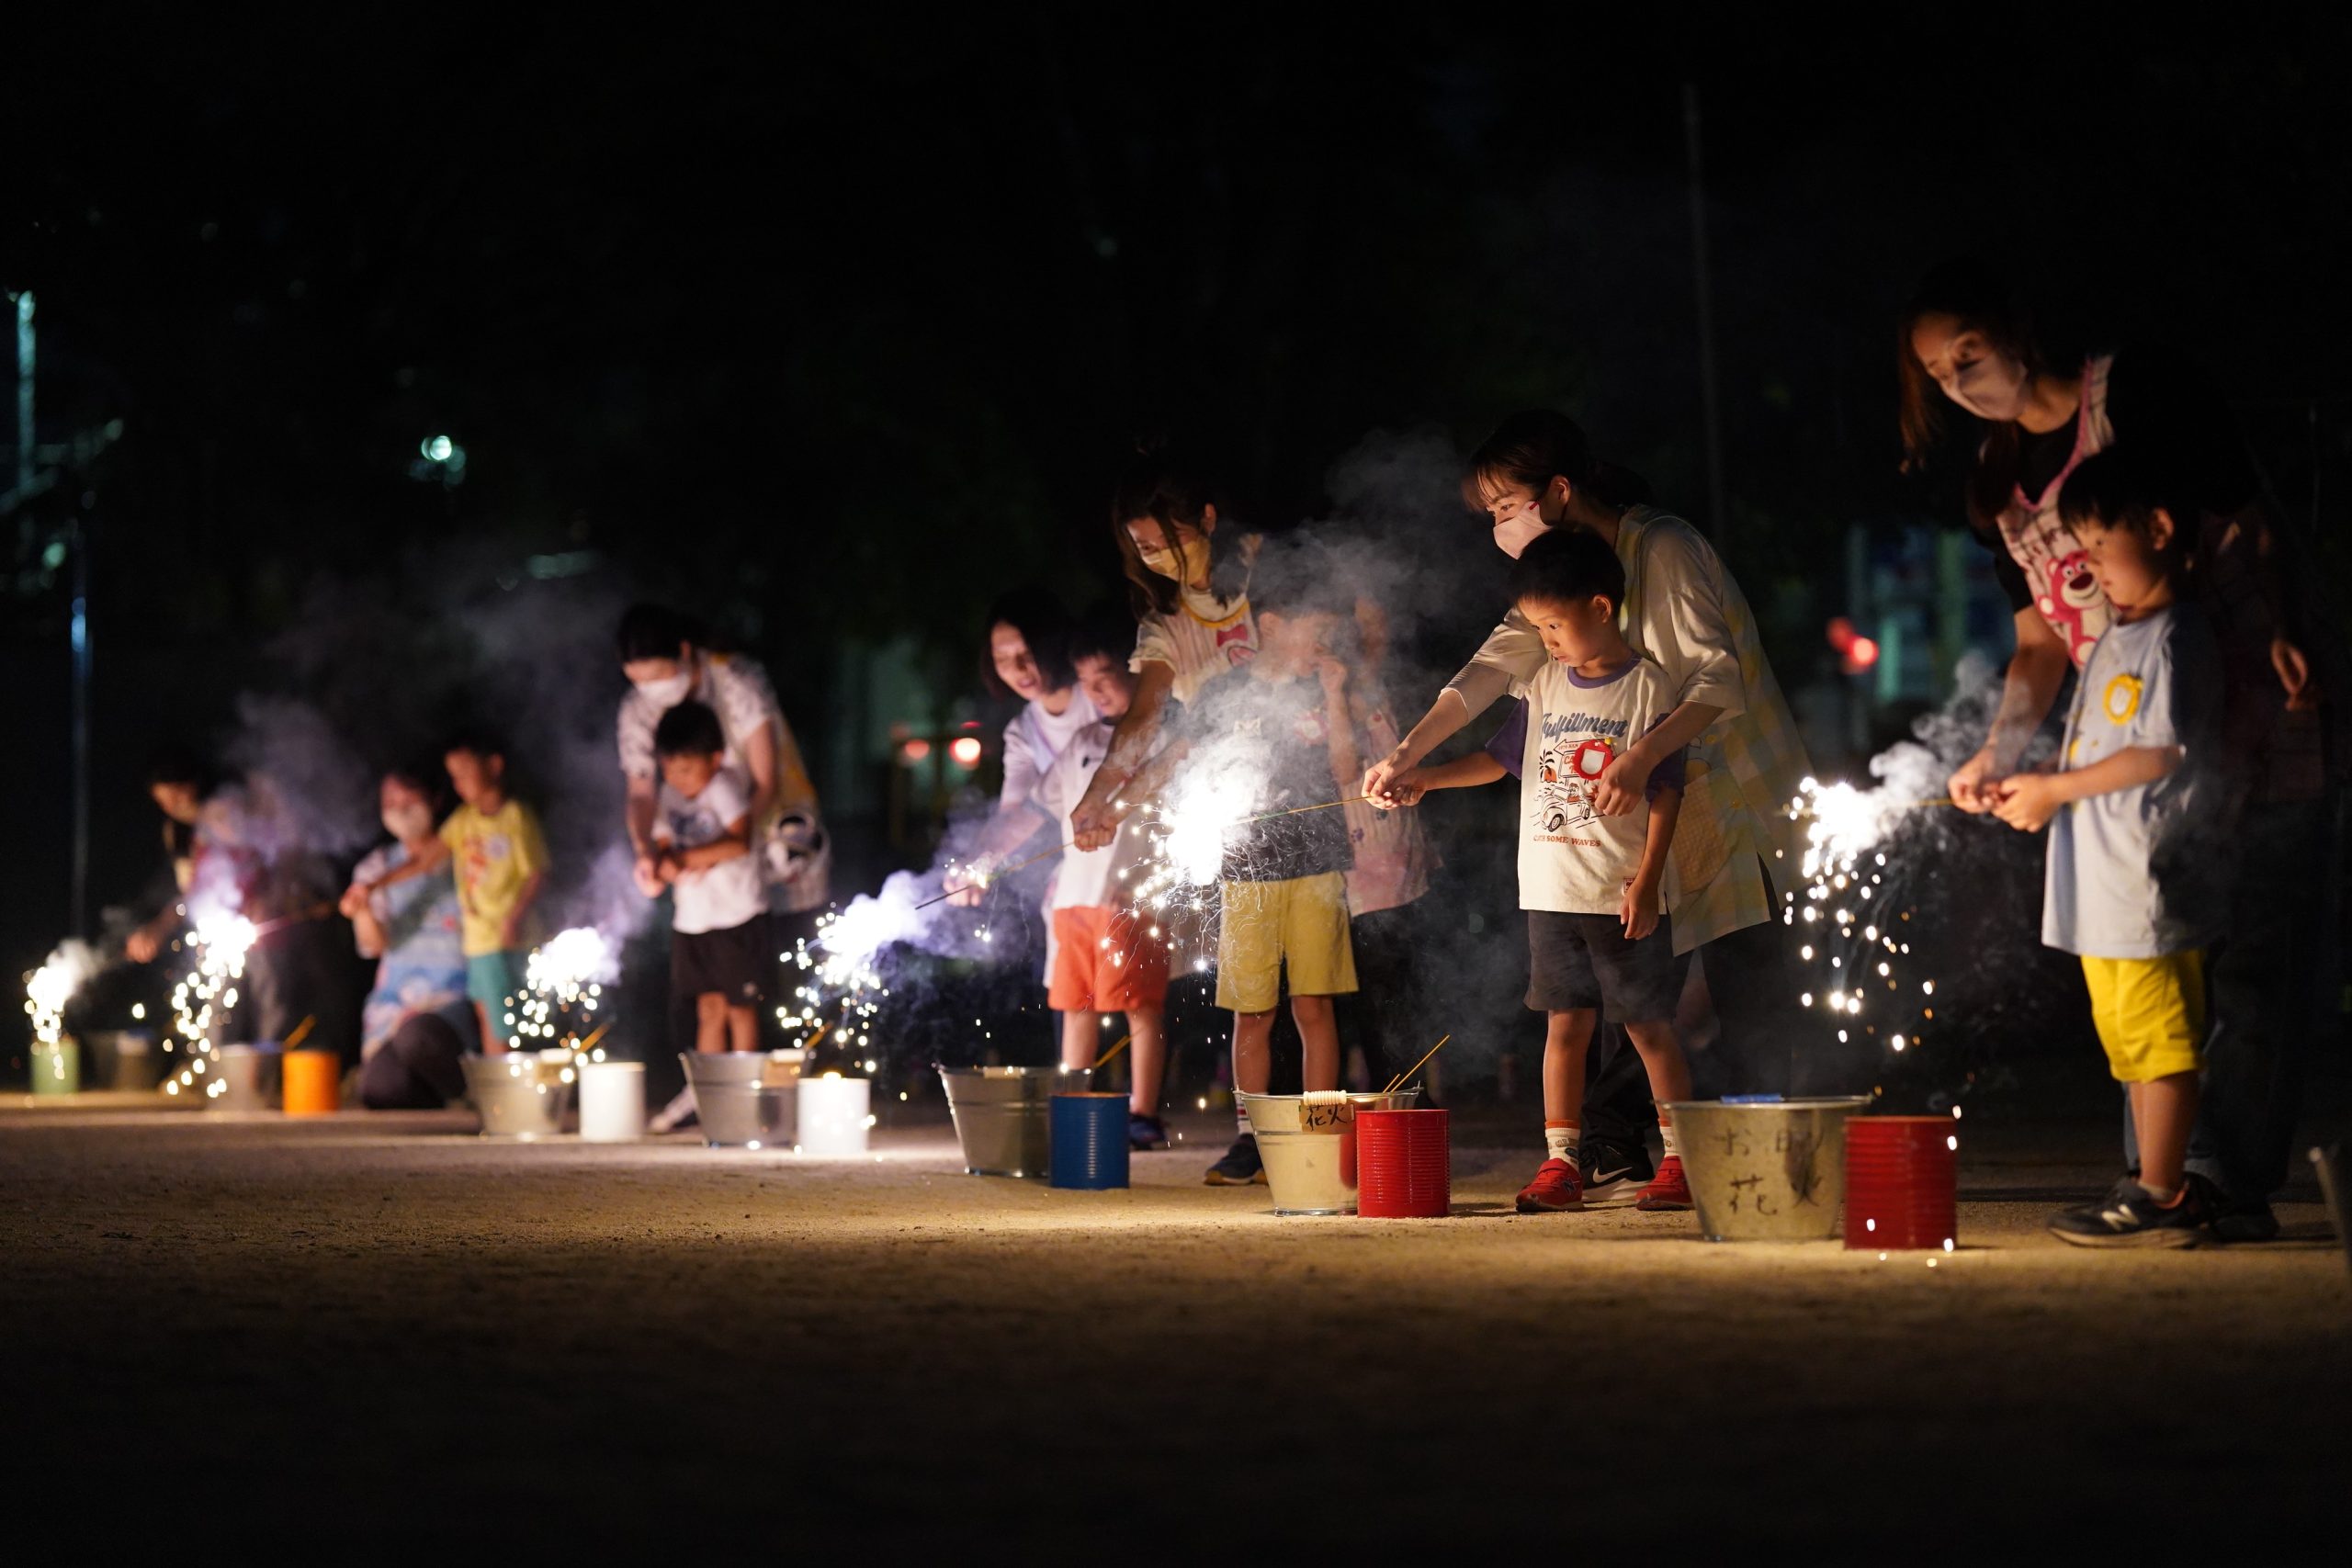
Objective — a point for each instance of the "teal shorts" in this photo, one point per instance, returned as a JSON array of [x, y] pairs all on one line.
[[491, 978]]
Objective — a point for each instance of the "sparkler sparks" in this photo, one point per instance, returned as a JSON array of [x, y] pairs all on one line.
[[1852, 966], [563, 983], [205, 994], [49, 988]]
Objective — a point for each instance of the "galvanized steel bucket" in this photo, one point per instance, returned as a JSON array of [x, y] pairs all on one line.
[[521, 1095], [1308, 1145], [1003, 1115], [747, 1100], [1765, 1169]]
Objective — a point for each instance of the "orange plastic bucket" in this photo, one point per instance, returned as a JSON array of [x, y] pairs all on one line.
[[311, 1083]]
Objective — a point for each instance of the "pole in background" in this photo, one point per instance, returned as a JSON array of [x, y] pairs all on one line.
[[1718, 513], [79, 542], [24, 397]]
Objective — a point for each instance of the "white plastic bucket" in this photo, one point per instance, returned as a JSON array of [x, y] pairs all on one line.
[[612, 1102], [833, 1116]]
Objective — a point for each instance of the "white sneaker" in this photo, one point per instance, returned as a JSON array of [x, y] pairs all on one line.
[[676, 1115]]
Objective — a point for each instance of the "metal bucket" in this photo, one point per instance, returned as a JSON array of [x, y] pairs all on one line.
[[248, 1078], [123, 1059], [1767, 1169], [1308, 1145], [521, 1095], [1002, 1116], [744, 1099]]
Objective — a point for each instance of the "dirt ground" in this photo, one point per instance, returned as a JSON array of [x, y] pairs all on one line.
[[363, 1337]]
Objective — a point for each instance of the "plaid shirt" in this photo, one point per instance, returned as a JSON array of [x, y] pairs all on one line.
[[1683, 610]]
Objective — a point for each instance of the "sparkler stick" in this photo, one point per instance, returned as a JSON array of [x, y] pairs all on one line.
[[1892, 805], [1293, 811], [299, 1032], [1113, 1051], [985, 881], [595, 1035], [1396, 1082], [810, 1043]]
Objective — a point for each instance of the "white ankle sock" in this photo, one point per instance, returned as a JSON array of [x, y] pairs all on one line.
[[1560, 1143], [1667, 1136]]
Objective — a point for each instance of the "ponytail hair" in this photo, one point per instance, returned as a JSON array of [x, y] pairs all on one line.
[[1530, 449], [1174, 491], [1980, 300]]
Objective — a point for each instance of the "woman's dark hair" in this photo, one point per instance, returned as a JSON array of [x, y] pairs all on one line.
[[689, 729], [1532, 447], [1174, 491], [428, 778], [2124, 486], [1045, 625], [656, 631], [1568, 566], [1981, 302], [174, 764]]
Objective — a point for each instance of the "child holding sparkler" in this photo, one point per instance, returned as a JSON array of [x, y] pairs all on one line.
[[2127, 887], [1278, 727], [1109, 957], [1591, 884], [702, 851], [501, 862]]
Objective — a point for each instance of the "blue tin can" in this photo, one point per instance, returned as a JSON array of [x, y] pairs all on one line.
[[1090, 1147]]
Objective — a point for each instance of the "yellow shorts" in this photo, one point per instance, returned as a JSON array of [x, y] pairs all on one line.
[[1303, 923], [2150, 1013]]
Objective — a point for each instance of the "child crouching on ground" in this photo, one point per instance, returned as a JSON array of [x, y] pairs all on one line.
[[1284, 717], [720, 953], [1108, 957], [2130, 887], [1591, 885]]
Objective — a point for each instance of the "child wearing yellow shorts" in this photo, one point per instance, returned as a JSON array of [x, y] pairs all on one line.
[[2128, 885]]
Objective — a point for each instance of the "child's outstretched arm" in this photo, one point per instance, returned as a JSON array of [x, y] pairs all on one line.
[[1463, 773], [2027, 801], [1639, 910], [433, 857]]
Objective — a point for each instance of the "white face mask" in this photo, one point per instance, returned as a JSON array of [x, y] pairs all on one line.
[[669, 692], [1992, 387], [407, 822], [1515, 533]]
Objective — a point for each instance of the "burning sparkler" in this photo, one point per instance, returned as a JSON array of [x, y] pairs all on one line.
[[205, 995], [1852, 939], [49, 988], [563, 983]]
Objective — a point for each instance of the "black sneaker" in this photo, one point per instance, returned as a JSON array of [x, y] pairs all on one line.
[[1146, 1133], [2240, 1219], [1614, 1177], [2128, 1216], [1240, 1167]]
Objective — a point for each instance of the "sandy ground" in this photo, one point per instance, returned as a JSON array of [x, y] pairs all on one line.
[[360, 1336]]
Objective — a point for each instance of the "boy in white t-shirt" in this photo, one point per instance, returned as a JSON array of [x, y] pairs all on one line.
[[702, 840], [1591, 885], [1108, 958]]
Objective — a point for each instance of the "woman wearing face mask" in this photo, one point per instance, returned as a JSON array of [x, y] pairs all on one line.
[[411, 927], [1188, 577], [1745, 759], [667, 660], [1964, 340]]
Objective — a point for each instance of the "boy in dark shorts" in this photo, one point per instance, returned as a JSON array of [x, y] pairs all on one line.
[[1591, 885], [702, 840]]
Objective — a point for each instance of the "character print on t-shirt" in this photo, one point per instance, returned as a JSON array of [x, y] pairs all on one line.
[[1572, 761]]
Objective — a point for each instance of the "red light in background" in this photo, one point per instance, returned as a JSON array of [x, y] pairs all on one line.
[[1862, 654], [1841, 634], [914, 750], [965, 750]]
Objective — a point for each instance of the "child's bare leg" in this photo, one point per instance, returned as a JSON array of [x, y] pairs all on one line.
[[493, 1043], [710, 1023], [1567, 1035], [1318, 1035], [1662, 1058], [2163, 1111], [742, 1029], [1148, 1059], [1252, 1058], [1081, 1038]]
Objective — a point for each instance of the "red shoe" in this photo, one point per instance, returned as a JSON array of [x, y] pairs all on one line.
[[1670, 1188], [1556, 1187]]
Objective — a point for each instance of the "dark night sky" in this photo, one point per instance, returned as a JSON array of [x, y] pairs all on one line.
[[882, 296]]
